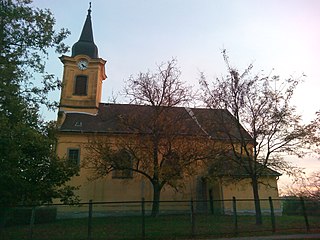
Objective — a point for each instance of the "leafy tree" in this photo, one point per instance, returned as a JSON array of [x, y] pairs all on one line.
[[31, 173], [30, 170], [262, 106], [155, 148], [26, 34]]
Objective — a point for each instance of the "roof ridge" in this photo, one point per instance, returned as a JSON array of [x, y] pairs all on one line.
[[144, 105]]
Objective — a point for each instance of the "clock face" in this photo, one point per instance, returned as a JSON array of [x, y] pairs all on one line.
[[82, 64]]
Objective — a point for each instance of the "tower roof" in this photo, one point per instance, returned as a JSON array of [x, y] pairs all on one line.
[[85, 44]]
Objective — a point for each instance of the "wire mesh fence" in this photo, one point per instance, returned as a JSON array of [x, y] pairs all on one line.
[[176, 219]]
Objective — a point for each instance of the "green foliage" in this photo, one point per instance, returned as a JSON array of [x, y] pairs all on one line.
[[26, 34], [293, 206], [22, 215], [30, 170]]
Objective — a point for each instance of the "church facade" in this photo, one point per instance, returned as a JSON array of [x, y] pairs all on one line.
[[82, 116]]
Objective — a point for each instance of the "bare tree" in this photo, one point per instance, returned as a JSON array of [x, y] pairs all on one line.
[[305, 186], [163, 88], [157, 146], [261, 105], [313, 139]]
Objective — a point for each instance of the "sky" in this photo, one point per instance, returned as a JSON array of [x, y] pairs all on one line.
[[135, 36]]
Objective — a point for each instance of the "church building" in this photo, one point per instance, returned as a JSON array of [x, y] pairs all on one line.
[[82, 116]]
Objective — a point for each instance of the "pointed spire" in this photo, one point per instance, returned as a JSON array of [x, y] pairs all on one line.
[[85, 44]]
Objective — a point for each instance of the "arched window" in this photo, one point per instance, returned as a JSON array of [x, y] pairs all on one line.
[[81, 85], [123, 164]]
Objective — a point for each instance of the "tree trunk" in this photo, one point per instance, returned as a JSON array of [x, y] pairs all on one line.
[[156, 200], [256, 200]]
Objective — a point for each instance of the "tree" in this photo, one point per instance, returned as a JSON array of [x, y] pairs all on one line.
[[31, 173], [262, 106], [313, 138], [30, 170], [26, 35], [307, 186], [155, 147]]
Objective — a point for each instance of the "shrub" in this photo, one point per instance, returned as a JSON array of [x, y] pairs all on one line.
[[22, 215], [293, 206]]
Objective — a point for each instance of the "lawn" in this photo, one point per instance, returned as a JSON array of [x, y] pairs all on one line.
[[162, 227]]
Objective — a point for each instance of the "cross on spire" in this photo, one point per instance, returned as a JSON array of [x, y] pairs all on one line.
[[89, 10]]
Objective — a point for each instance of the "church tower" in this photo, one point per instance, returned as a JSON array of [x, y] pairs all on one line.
[[83, 74]]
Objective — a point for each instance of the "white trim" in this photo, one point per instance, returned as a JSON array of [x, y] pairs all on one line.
[[191, 114], [91, 114]]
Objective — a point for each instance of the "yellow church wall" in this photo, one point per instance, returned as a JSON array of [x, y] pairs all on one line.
[[242, 191], [108, 189]]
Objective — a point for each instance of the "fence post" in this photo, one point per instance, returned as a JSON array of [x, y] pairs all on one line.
[[32, 220], [3, 217], [90, 220], [235, 217], [273, 220], [211, 201], [304, 212], [143, 218], [192, 218]]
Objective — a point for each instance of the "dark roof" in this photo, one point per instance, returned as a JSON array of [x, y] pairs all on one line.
[[128, 118], [239, 168], [86, 45]]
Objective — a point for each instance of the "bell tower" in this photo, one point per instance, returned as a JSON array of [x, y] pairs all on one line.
[[83, 74]]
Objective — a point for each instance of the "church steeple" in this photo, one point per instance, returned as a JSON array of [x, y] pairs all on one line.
[[85, 44], [83, 74]]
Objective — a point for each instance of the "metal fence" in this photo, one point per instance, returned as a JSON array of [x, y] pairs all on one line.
[[176, 219]]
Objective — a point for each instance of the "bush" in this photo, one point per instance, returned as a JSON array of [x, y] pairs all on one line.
[[22, 215], [312, 207], [293, 206]]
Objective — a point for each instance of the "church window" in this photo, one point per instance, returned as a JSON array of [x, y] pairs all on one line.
[[74, 155], [81, 85], [123, 165]]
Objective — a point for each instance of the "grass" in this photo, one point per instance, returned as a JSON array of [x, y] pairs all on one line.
[[162, 227]]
